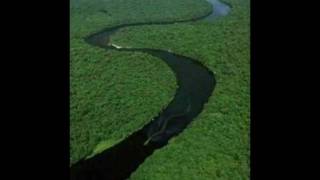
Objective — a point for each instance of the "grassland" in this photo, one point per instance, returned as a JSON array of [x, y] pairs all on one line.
[[216, 144], [115, 93]]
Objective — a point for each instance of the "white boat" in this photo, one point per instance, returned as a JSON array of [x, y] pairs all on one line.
[[116, 46]]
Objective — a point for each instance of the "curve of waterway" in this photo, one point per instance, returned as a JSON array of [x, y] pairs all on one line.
[[195, 86]]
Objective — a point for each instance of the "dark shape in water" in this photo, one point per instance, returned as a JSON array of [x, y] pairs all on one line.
[[196, 84], [157, 136]]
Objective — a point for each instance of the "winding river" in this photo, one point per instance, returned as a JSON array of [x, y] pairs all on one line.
[[195, 85]]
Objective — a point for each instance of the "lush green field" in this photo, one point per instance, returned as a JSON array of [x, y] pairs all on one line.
[[115, 93], [216, 144]]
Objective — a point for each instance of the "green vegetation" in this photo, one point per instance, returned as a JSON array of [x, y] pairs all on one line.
[[216, 144], [115, 93], [88, 16], [103, 146]]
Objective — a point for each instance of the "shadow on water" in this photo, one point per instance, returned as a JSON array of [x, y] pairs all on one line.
[[195, 86]]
